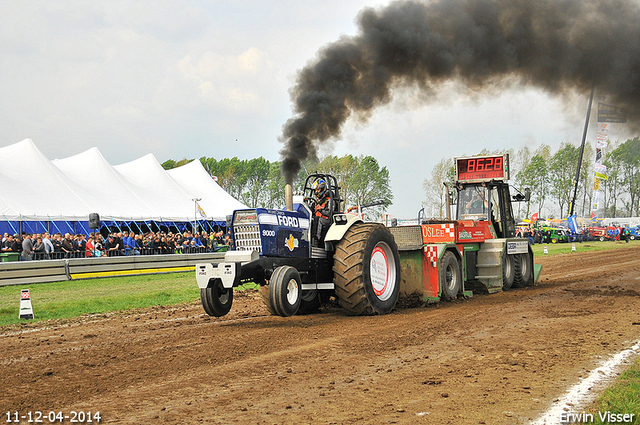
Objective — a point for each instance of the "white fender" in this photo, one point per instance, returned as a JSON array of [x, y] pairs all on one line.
[[341, 223]]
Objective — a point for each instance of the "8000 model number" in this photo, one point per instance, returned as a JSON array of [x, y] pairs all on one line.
[[53, 417]]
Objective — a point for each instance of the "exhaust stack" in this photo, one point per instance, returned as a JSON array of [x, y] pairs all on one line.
[[288, 197]]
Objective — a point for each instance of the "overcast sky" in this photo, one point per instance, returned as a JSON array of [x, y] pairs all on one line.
[[185, 79]]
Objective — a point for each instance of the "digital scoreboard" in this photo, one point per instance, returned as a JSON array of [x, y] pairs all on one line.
[[482, 168]]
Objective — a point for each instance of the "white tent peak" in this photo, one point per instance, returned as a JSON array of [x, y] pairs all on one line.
[[71, 188], [91, 170], [197, 183]]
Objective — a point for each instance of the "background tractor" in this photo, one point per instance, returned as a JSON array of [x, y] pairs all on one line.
[[442, 259]]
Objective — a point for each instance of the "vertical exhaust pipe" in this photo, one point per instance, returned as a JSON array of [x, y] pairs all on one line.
[[288, 197]]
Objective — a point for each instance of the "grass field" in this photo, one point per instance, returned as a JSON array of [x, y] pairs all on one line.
[[74, 298], [621, 398], [561, 248], [64, 300]]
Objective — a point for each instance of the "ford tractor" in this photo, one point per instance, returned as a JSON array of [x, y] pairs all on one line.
[[299, 267]]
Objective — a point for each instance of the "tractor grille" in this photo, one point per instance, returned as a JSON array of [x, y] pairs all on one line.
[[247, 237]]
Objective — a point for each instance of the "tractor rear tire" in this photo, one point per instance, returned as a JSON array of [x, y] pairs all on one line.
[[216, 299], [524, 270], [450, 276], [285, 291], [367, 270], [508, 271]]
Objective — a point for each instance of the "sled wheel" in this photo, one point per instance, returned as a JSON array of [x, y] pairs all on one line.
[[216, 299], [310, 302], [524, 270], [508, 271], [449, 276], [285, 293], [367, 270]]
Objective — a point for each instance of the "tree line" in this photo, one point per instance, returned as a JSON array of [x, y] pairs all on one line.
[[551, 178], [258, 182]]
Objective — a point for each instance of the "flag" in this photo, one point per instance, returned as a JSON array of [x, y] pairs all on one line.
[[534, 217], [595, 201], [200, 210]]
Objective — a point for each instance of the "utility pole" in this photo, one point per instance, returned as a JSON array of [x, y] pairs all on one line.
[[195, 214], [584, 138]]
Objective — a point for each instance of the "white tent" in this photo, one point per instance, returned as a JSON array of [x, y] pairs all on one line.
[[91, 171], [199, 184], [37, 189]]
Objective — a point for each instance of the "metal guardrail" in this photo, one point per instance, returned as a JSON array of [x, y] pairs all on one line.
[[43, 271]]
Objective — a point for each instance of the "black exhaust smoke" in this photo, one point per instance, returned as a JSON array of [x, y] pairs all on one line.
[[555, 45]]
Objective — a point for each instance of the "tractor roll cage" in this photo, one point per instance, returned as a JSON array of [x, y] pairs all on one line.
[[332, 187]]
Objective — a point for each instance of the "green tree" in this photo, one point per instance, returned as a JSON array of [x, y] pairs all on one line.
[[612, 187], [536, 177], [562, 169], [625, 159], [361, 181], [170, 163], [519, 162], [256, 173], [436, 196], [230, 173]]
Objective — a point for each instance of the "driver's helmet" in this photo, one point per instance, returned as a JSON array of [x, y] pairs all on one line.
[[320, 188]]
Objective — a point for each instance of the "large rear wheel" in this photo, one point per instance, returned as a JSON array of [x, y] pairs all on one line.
[[367, 270], [285, 293], [216, 299]]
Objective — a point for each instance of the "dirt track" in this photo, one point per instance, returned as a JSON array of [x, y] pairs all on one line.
[[492, 359]]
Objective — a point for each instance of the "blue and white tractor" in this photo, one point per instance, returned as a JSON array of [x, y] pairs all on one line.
[[298, 267]]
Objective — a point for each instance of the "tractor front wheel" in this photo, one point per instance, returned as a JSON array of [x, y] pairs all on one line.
[[367, 270], [285, 292], [216, 299]]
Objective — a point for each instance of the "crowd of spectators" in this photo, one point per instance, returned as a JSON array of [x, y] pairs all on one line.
[[45, 246]]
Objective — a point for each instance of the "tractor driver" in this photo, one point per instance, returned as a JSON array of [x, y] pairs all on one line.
[[477, 204], [322, 210]]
